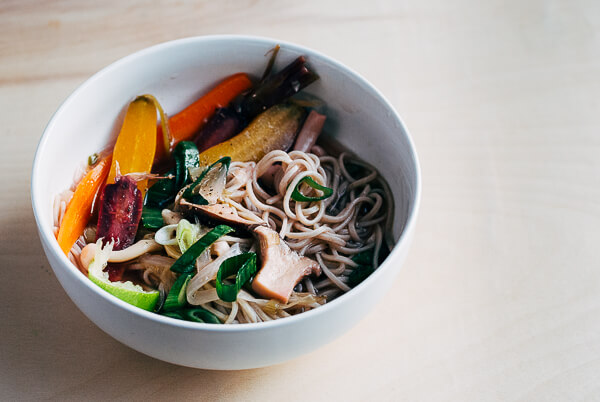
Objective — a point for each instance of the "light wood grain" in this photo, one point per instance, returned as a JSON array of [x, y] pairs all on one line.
[[500, 297]]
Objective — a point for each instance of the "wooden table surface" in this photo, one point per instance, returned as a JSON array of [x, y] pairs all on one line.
[[499, 299]]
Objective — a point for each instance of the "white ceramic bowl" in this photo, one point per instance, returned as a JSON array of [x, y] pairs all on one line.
[[176, 72]]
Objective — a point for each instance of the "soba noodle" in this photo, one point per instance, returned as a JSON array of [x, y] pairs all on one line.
[[355, 218]]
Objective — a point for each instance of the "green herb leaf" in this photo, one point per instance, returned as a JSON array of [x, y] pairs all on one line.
[[243, 266], [298, 196], [185, 263]]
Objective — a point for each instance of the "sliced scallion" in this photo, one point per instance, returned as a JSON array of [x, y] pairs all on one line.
[[298, 196], [194, 314], [243, 266], [185, 263], [198, 314], [177, 297], [152, 218]]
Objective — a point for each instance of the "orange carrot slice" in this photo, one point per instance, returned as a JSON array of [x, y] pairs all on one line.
[[186, 123], [79, 209]]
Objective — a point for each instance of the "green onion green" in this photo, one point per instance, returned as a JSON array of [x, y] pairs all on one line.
[[194, 314], [152, 218], [243, 266], [198, 314], [163, 192], [298, 196], [177, 297], [185, 263]]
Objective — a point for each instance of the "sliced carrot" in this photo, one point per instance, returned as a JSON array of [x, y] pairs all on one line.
[[186, 123], [79, 209], [136, 144]]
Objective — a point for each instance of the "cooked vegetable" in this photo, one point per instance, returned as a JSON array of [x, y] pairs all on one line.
[[359, 274], [307, 137], [186, 157], [363, 270], [281, 268], [218, 214], [152, 218], [298, 196], [276, 88], [79, 209], [243, 266], [187, 234], [273, 129], [198, 314], [136, 144], [185, 264], [209, 185], [208, 273], [167, 235], [134, 251], [120, 212], [274, 52], [194, 314], [223, 125], [186, 123], [176, 297], [163, 192]]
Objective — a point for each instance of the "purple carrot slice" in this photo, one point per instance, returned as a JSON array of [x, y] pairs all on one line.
[[120, 212]]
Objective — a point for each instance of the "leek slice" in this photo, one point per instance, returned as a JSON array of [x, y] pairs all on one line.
[[298, 196], [243, 266]]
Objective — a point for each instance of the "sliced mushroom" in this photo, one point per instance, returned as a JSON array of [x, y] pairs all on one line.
[[281, 268], [218, 214]]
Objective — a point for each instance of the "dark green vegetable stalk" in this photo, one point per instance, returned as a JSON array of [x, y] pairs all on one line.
[[194, 314], [185, 266], [163, 192], [177, 297], [298, 196], [243, 266], [185, 263], [152, 218]]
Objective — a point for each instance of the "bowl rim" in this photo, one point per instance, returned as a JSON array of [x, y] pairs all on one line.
[[48, 237]]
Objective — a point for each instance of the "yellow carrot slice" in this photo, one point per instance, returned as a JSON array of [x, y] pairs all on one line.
[[136, 143], [274, 128], [79, 210]]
